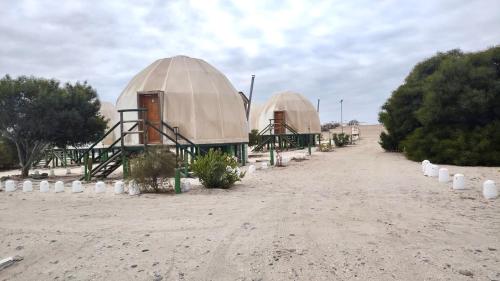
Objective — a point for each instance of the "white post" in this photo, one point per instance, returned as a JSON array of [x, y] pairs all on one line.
[[44, 186], [119, 187], [444, 175], [76, 187], [10, 186], [490, 190], [100, 187], [424, 163], [27, 186], [59, 187], [458, 181]]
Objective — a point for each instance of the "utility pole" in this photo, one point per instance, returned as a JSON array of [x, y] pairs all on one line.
[[341, 120], [317, 108], [250, 97]]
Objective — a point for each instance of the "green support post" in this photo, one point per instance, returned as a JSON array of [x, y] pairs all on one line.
[[243, 155], [86, 164], [125, 167], [309, 145], [177, 186], [271, 151]]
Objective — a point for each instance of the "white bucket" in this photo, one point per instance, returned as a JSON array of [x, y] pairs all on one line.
[[424, 163], [10, 186], [119, 189], [251, 169], [185, 185], [44, 186], [133, 189], [458, 181], [427, 170], [59, 187], [27, 186], [444, 175], [490, 190], [100, 187], [433, 170], [76, 187]]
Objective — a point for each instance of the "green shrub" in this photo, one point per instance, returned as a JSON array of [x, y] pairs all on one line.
[[253, 138], [325, 147], [151, 169], [341, 139], [217, 169], [447, 110], [8, 155]]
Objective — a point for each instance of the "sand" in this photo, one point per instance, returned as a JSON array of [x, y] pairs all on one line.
[[357, 213]]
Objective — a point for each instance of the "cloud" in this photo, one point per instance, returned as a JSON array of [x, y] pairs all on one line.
[[359, 51]]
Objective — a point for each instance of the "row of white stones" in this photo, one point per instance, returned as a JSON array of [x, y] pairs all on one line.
[[443, 175], [76, 187]]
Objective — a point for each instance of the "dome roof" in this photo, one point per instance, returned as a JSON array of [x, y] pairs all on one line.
[[300, 113], [197, 98]]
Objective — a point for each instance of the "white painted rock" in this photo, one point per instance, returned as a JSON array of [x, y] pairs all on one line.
[[434, 170], [444, 175], [119, 187], [27, 186], [185, 186], [251, 169], [424, 163], [133, 188], [68, 171], [59, 186], [490, 190], [458, 181], [52, 173], [76, 187], [100, 187], [44, 186], [264, 165], [10, 186], [427, 170]]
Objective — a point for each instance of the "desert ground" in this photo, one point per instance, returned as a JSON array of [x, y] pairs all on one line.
[[356, 213]]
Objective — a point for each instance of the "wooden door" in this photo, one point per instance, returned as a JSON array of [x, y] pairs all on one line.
[[152, 103], [279, 120]]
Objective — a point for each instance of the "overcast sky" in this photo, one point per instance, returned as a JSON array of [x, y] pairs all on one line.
[[359, 51]]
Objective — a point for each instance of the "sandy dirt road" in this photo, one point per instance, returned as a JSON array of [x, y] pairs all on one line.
[[354, 214]]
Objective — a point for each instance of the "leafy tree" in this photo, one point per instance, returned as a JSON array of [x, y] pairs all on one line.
[[454, 117], [253, 138], [8, 156], [353, 122], [328, 126], [37, 113]]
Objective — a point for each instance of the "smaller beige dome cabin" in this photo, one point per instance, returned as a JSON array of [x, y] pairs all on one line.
[[190, 95], [287, 114], [108, 111]]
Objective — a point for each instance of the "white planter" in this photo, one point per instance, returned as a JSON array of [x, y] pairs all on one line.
[[424, 163], [444, 175], [251, 169], [44, 186], [185, 185], [10, 186], [119, 187], [27, 186], [433, 170], [76, 187], [458, 182], [133, 188], [100, 187], [59, 187], [490, 190]]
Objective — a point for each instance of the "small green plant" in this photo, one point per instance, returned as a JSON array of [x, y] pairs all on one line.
[[341, 139], [253, 138], [217, 169], [325, 147], [152, 169]]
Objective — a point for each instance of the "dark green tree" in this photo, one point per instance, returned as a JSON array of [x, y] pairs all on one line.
[[37, 113], [454, 115]]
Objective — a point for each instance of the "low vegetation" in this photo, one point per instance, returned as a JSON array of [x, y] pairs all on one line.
[[153, 169], [329, 126], [217, 169], [341, 139], [447, 110], [253, 138]]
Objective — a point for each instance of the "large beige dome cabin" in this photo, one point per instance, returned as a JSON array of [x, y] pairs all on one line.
[[190, 96], [287, 117]]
